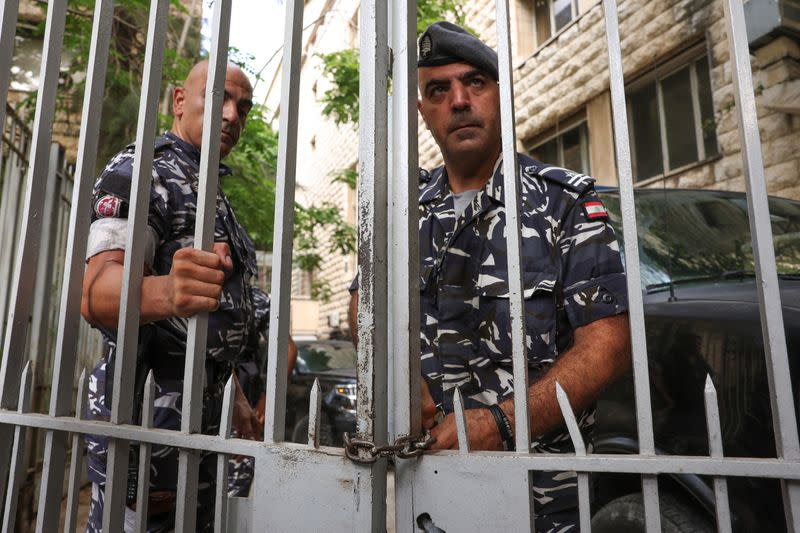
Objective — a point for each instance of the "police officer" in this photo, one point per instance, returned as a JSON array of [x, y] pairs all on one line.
[[180, 281], [574, 286]]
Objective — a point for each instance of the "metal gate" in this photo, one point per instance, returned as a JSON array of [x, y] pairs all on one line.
[[467, 491]]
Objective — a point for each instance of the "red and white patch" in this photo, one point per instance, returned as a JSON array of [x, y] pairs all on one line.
[[595, 210], [107, 206]]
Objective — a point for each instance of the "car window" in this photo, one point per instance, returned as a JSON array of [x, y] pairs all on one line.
[[687, 235], [323, 356]]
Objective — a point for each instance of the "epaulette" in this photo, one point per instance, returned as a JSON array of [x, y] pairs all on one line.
[[566, 178], [424, 176]]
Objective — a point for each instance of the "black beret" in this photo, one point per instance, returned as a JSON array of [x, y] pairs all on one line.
[[444, 43]]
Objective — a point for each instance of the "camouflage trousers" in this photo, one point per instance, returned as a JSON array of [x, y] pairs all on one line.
[[555, 502], [164, 459]]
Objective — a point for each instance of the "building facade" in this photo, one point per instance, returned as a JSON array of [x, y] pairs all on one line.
[[682, 120]]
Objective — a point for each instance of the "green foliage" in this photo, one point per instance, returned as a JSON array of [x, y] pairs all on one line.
[[348, 176], [341, 100], [430, 11], [251, 187], [308, 225]]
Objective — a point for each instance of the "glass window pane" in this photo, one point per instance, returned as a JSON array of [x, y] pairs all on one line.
[[709, 126], [547, 152], [562, 13], [542, 14], [572, 145], [679, 117], [646, 131]]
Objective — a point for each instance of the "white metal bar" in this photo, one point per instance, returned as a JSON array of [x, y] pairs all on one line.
[[225, 424], [715, 450], [8, 25], [20, 302], [644, 413], [511, 186], [143, 490], [12, 182], [197, 334], [461, 421], [580, 450], [787, 443], [17, 473], [314, 406], [76, 462], [130, 300], [279, 315], [404, 276], [371, 407], [69, 320]]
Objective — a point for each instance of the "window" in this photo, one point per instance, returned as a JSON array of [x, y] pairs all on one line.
[[552, 16], [671, 117], [569, 149]]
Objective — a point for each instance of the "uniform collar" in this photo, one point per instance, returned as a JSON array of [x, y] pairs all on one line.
[[439, 187], [191, 152]]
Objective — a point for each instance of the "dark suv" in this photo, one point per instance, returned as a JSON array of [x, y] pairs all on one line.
[[334, 363]]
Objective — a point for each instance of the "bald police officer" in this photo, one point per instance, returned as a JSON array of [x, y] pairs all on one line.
[[574, 286], [180, 282]]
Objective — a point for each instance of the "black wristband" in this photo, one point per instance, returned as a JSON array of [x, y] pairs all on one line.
[[504, 425]]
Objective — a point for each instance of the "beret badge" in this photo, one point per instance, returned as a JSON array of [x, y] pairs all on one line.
[[425, 47]]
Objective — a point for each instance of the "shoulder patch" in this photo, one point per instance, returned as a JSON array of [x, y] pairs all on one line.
[[110, 206], [160, 143], [595, 210], [566, 178], [424, 176]]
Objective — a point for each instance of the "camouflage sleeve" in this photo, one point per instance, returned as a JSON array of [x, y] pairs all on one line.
[[592, 272]]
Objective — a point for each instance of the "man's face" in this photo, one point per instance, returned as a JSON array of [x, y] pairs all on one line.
[[460, 104], [189, 103]]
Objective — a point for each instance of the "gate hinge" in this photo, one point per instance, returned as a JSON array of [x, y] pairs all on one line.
[[404, 447]]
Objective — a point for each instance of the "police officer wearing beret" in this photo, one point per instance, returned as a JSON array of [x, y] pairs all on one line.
[[574, 287], [180, 281]]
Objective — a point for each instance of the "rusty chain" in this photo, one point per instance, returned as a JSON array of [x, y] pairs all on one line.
[[404, 447]]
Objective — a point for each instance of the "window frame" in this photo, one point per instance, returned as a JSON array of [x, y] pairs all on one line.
[[557, 133], [688, 58]]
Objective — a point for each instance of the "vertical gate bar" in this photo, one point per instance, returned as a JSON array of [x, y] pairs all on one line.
[[461, 421], [8, 27], [130, 298], [11, 185], [314, 406], [641, 376], [715, 451], [194, 371], [511, 186], [143, 490], [19, 305], [75, 465], [371, 405], [40, 323], [404, 276], [197, 333], [584, 506], [769, 297], [17, 472], [279, 313], [221, 502]]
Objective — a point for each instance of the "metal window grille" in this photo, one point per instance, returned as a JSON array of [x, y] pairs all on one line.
[[340, 495]]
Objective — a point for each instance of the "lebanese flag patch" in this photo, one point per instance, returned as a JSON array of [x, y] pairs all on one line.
[[108, 206], [595, 210]]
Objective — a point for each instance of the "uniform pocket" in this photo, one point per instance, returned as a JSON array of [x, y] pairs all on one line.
[[495, 319]]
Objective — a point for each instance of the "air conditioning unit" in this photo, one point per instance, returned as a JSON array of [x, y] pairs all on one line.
[[767, 18]]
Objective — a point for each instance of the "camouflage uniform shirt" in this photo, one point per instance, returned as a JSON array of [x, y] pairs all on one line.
[[232, 329], [572, 275]]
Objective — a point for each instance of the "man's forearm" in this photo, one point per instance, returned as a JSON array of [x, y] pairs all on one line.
[[600, 355]]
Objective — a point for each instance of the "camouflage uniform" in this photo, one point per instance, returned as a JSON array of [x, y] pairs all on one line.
[[572, 275], [231, 330]]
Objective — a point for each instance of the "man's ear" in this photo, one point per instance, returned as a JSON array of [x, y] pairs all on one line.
[[178, 97], [421, 113]]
